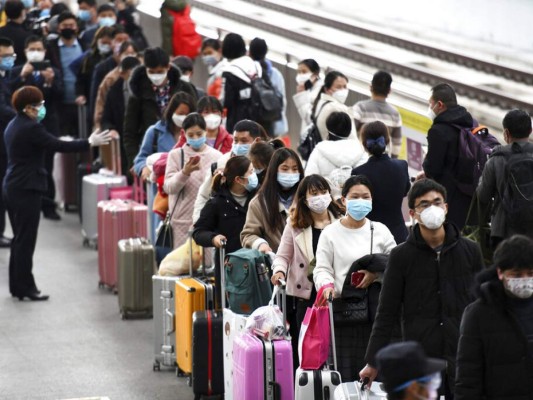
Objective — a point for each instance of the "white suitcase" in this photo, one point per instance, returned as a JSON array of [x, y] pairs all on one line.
[[234, 324], [354, 391]]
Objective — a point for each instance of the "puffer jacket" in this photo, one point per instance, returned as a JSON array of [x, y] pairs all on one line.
[[167, 22]]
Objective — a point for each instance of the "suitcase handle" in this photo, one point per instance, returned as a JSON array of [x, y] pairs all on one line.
[[280, 290], [222, 254], [332, 330], [172, 321]]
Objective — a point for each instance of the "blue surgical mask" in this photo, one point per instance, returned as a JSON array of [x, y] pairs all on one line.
[[196, 144], [41, 113], [259, 171], [84, 15], [210, 61], [104, 48], [240, 149], [288, 180], [27, 3], [45, 12], [252, 182], [107, 21], [358, 209], [7, 63]]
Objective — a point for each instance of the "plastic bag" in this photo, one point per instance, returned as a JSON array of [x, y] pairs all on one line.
[[178, 261], [267, 321]]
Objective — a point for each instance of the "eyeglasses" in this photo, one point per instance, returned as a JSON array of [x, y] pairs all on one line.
[[426, 204]]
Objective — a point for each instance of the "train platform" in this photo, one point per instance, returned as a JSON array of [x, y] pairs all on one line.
[[75, 345]]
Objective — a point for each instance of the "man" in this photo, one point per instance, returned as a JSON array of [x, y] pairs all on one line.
[[427, 283], [495, 354], [49, 82], [152, 86], [7, 113], [407, 373], [495, 180], [186, 68], [15, 28], [87, 14], [105, 16], [377, 109], [443, 148]]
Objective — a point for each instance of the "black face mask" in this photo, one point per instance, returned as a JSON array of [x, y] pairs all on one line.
[[67, 33]]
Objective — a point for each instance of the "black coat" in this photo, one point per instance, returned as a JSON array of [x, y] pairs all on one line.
[[237, 108], [26, 141], [18, 33], [390, 181], [443, 151], [7, 112], [429, 291], [492, 358], [113, 115]]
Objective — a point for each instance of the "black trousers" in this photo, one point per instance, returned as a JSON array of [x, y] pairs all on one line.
[[24, 210], [48, 200], [3, 168]]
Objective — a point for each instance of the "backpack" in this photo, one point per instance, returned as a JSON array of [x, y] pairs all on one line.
[[311, 136], [185, 40], [475, 147], [266, 103], [517, 192]]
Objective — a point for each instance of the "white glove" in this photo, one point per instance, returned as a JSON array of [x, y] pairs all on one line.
[[100, 138]]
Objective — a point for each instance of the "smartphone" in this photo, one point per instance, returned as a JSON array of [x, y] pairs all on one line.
[[195, 159], [41, 65], [357, 278]]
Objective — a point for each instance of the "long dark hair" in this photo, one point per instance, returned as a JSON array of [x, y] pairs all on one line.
[[236, 166], [328, 83], [270, 189], [175, 101]]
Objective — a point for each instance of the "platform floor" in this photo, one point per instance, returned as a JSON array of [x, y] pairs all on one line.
[[75, 345]]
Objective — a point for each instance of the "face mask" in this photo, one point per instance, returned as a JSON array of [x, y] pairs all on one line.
[[430, 113], [67, 33], [185, 78], [44, 13], [340, 95], [252, 182], [212, 121], [210, 60], [196, 144], [107, 21], [104, 48], [358, 209], [178, 119], [157, 79], [519, 287], [259, 171], [288, 180], [41, 113], [7, 63], [240, 149], [27, 3], [35, 56], [302, 78], [320, 203], [84, 15], [433, 217]]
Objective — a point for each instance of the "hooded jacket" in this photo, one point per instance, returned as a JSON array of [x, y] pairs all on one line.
[[329, 155], [492, 358], [142, 110]]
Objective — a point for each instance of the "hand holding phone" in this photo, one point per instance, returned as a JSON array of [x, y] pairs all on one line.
[[357, 278]]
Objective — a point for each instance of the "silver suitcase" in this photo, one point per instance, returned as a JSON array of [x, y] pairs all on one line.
[[95, 187], [356, 391]]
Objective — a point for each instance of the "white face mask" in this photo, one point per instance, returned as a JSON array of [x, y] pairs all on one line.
[[157, 79], [430, 113], [340, 95], [35, 55], [212, 121], [185, 78], [519, 287], [302, 78], [433, 217], [320, 203], [178, 119]]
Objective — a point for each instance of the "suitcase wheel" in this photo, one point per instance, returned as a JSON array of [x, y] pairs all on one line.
[[157, 366], [189, 380], [124, 316], [180, 373], [101, 285]]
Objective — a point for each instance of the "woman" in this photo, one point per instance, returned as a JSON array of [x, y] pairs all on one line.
[[185, 171], [331, 98], [389, 177], [342, 243], [212, 58], [223, 216], [261, 153], [313, 210], [308, 83], [217, 136], [25, 182]]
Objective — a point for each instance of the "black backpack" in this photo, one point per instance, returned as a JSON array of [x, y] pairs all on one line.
[[311, 137]]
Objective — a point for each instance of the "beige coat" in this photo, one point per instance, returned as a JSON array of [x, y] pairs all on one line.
[[101, 96]]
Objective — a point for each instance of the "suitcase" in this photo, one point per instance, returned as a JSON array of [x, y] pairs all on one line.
[[234, 324], [83, 169], [136, 265], [319, 384], [263, 369], [95, 188], [110, 156], [117, 220], [357, 391], [64, 175]]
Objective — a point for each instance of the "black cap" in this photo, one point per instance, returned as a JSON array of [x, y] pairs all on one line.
[[403, 362], [184, 63]]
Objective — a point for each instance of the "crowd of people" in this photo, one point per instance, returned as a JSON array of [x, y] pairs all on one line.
[[230, 179]]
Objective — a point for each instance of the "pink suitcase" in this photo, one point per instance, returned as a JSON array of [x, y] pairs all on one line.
[[117, 220]]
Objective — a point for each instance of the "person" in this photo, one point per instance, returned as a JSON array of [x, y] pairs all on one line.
[[331, 98], [261, 153], [186, 68], [26, 140], [217, 136], [335, 157], [168, 10], [106, 16], [377, 109], [516, 132], [212, 58], [495, 353], [427, 284], [407, 373], [223, 216], [49, 83], [87, 15], [258, 51], [340, 245], [15, 29], [443, 148], [152, 86], [129, 18], [313, 210], [183, 176], [390, 178], [309, 82]]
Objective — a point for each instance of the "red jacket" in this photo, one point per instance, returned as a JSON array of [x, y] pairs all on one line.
[[223, 143]]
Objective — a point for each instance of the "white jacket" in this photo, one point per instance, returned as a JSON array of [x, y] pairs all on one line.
[[304, 103]]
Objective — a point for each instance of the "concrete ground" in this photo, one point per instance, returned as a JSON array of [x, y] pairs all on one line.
[[75, 345]]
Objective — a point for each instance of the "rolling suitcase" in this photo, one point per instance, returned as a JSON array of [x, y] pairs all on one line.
[[136, 265], [319, 384], [234, 324], [263, 369], [358, 391], [110, 156], [65, 179]]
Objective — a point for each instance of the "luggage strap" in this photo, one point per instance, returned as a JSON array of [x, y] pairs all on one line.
[[209, 354]]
